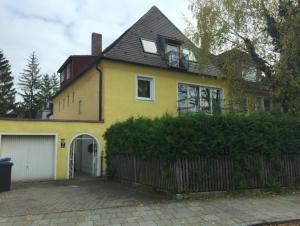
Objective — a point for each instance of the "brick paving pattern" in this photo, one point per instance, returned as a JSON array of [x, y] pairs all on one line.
[[126, 206]]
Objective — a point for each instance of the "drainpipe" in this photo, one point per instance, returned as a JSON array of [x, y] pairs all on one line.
[[100, 92], [100, 108]]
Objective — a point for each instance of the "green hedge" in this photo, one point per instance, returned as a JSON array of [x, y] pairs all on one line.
[[171, 137], [241, 138]]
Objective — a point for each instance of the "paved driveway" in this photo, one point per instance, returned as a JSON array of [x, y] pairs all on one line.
[[82, 194]]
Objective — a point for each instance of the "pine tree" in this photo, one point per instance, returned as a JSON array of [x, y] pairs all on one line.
[[7, 91], [49, 86], [29, 83]]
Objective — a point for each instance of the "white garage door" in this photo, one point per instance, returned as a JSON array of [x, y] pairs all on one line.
[[33, 156]]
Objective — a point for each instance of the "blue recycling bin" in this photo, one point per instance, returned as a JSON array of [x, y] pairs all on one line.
[[5, 159], [5, 173]]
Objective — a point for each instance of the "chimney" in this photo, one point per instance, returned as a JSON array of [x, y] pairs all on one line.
[[96, 48]]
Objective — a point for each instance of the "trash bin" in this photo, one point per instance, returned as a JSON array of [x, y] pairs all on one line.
[[5, 174]]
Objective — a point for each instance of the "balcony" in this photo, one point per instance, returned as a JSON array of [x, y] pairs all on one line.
[[175, 60]]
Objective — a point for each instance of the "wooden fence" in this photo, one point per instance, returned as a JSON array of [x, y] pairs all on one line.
[[203, 174]]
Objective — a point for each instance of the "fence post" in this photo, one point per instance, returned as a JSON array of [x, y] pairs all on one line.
[[134, 169], [178, 176]]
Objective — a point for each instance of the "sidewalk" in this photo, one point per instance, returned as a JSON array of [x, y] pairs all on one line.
[[229, 211]]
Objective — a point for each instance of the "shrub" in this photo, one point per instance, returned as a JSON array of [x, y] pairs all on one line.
[[240, 138], [170, 137]]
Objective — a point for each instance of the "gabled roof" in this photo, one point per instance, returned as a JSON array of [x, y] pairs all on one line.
[[151, 26], [128, 47]]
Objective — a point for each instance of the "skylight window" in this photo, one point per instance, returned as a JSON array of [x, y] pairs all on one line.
[[149, 46]]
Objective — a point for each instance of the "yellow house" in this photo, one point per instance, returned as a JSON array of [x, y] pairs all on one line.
[[149, 70]]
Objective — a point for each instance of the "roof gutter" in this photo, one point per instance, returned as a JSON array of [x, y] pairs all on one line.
[[100, 92]]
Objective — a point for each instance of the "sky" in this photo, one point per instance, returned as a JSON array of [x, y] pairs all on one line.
[[55, 29]]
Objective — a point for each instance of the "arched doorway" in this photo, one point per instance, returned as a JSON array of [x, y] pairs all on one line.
[[84, 156]]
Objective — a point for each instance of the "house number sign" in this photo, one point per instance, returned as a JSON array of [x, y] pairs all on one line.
[[63, 143]]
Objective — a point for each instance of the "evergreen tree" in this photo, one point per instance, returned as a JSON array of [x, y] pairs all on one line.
[[29, 83], [49, 86], [7, 91]]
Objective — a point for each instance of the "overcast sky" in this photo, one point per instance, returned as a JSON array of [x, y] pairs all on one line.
[[55, 29]]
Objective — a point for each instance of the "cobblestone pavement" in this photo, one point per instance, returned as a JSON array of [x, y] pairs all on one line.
[[81, 194], [143, 209]]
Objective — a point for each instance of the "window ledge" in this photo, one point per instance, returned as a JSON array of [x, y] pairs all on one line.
[[145, 99]]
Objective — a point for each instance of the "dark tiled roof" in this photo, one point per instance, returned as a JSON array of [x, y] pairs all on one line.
[[153, 25], [128, 47], [74, 57]]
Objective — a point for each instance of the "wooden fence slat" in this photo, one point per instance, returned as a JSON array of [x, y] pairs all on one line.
[[200, 174]]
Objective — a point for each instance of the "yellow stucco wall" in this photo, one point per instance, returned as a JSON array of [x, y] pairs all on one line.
[[63, 130], [120, 102], [86, 90]]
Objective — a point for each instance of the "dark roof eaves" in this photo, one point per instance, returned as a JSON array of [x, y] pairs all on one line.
[[71, 57], [80, 74], [129, 62]]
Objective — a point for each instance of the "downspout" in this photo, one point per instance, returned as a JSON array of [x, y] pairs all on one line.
[[100, 92], [100, 109]]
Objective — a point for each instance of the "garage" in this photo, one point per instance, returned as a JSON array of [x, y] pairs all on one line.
[[33, 156]]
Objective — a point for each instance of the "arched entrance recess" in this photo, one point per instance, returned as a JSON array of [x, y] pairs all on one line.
[[84, 156]]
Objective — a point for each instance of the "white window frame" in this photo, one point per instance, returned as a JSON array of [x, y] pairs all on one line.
[[202, 86], [68, 71], [190, 54], [263, 103], [151, 79], [246, 73], [147, 40], [62, 76]]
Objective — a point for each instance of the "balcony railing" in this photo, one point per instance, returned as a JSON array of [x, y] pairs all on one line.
[[175, 60]]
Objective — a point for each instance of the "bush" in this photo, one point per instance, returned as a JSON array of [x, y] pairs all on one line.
[[170, 137], [240, 138]]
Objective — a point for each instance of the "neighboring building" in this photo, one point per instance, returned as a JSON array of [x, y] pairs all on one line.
[[253, 95], [149, 70]]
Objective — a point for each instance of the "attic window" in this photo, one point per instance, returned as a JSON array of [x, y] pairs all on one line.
[[189, 55], [249, 74], [149, 46], [68, 71]]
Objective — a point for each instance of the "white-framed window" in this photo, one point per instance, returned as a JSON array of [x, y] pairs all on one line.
[[196, 98], [144, 87], [62, 76], [188, 55], [172, 52], [149, 46], [68, 71], [263, 104], [250, 74]]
